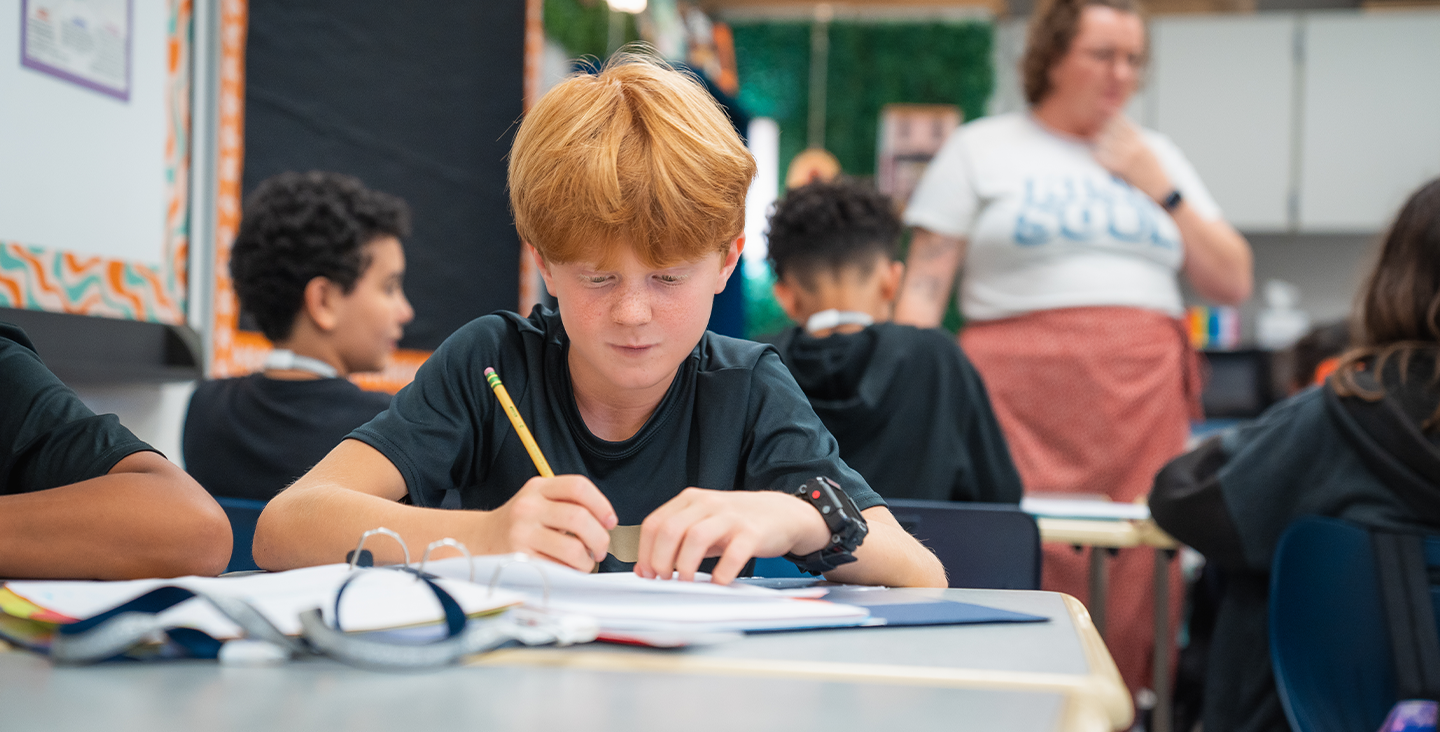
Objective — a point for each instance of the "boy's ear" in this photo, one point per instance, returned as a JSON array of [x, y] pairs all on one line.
[[543, 266], [732, 260], [788, 299], [320, 304], [890, 278]]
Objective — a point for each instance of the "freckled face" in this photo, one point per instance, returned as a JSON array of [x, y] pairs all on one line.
[[632, 325]]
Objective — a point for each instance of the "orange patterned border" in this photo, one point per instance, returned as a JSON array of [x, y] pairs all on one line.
[[44, 278]]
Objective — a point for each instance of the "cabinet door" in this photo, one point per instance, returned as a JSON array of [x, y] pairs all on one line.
[[1223, 88], [1372, 116]]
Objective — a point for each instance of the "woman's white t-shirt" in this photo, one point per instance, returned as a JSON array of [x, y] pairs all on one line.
[[1047, 226]]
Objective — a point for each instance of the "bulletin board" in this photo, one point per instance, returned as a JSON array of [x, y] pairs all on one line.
[[94, 216]]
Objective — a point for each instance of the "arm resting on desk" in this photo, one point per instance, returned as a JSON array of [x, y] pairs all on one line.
[[145, 518], [1188, 502], [890, 556], [356, 488]]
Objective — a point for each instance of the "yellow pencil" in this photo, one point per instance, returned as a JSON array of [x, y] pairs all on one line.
[[493, 379]]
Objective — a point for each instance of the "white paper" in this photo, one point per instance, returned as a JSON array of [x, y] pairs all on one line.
[[1081, 508], [376, 599]]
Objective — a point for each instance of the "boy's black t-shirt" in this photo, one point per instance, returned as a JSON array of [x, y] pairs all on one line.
[[251, 436], [48, 437], [909, 411], [733, 419]]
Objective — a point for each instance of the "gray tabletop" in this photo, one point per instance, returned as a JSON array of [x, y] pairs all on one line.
[[519, 694]]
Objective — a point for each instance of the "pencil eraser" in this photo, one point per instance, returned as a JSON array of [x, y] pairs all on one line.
[[489, 370]]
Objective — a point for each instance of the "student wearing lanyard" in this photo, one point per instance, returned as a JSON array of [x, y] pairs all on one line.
[[318, 263]]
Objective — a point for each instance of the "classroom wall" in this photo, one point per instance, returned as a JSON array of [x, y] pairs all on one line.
[[154, 412], [421, 103], [1328, 269]]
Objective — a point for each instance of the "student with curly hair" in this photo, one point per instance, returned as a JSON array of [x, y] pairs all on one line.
[[909, 411], [629, 187], [318, 263]]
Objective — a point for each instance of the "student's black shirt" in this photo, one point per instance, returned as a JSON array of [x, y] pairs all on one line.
[[1315, 454], [733, 419], [909, 410], [48, 438], [250, 437]]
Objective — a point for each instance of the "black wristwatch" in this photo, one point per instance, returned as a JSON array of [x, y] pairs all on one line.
[[842, 517], [1172, 201]]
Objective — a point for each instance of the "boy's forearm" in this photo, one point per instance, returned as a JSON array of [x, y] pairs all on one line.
[[890, 556], [318, 522], [154, 521]]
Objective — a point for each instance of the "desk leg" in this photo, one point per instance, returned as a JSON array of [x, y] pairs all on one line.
[[1161, 719], [1099, 584]]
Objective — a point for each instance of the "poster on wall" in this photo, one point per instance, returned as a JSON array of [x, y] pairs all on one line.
[[910, 136], [82, 41]]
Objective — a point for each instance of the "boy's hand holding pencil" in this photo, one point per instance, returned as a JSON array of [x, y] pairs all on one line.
[[562, 518]]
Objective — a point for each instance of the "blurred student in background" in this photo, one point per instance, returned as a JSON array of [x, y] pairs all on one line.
[[83, 498], [1314, 357], [909, 411], [319, 264], [1071, 223], [1364, 447]]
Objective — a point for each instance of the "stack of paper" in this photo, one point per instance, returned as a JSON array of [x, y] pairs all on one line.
[[623, 605], [375, 600], [624, 602]]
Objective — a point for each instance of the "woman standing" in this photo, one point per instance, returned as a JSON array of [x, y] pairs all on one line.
[[1072, 224]]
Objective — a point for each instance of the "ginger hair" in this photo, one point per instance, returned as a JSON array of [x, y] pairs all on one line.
[[636, 155]]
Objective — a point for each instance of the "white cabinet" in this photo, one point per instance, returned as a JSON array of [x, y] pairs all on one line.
[[1222, 88], [1371, 132], [1319, 121]]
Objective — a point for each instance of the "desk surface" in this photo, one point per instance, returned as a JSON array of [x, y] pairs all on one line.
[[1039, 676]]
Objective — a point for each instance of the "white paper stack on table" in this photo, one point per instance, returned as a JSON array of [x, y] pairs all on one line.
[[623, 604], [375, 601]]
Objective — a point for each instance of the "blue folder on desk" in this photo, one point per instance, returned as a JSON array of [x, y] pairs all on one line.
[[898, 607]]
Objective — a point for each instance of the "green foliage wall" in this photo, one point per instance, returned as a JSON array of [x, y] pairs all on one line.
[[870, 65], [583, 28]]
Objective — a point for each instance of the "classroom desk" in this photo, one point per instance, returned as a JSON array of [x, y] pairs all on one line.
[[1100, 534], [1036, 676]]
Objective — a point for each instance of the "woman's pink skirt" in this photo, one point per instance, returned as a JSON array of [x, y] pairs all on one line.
[[1095, 400]]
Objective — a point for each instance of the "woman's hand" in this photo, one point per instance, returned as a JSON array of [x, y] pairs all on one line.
[[1218, 261], [1121, 150], [733, 525]]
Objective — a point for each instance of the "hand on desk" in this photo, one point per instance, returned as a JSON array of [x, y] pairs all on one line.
[[732, 525]]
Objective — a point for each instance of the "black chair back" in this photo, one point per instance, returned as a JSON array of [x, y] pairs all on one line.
[[243, 514], [993, 546]]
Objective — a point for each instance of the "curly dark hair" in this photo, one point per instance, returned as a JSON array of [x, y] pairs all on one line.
[[299, 226], [829, 227]]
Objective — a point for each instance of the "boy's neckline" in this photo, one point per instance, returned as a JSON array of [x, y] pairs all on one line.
[[656, 417]]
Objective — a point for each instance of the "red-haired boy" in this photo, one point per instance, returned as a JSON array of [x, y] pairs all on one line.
[[629, 187]]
